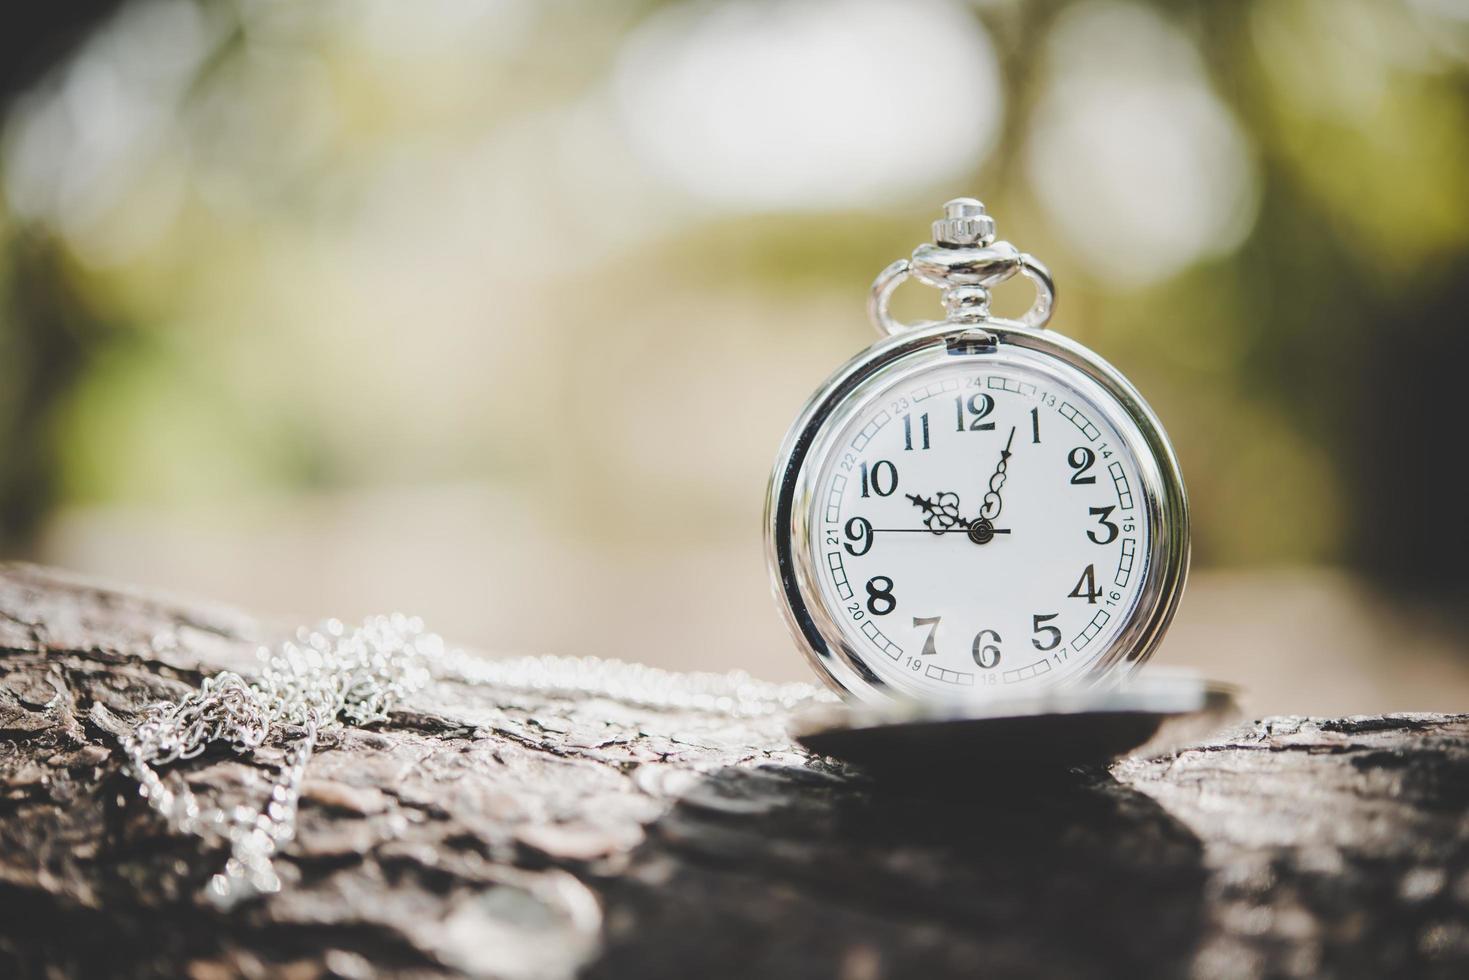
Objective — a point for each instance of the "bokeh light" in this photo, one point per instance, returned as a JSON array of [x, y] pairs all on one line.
[[808, 104], [1137, 162]]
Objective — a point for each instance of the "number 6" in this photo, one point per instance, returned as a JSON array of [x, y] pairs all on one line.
[[986, 655]]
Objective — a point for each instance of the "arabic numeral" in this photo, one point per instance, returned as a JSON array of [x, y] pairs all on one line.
[[908, 430], [883, 473], [1086, 586], [880, 599], [1111, 532], [979, 406], [859, 537], [1052, 633], [1081, 459], [932, 622], [986, 650]]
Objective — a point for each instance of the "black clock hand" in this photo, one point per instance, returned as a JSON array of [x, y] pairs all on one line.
[[943, 516], [924, 530], [942, 512], [990, 509]]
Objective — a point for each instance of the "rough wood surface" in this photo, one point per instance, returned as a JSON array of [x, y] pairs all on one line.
[[525, 837]]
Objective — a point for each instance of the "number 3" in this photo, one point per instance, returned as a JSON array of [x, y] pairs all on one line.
[[1101, 514]]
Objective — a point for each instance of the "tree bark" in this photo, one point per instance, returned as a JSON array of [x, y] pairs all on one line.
[[498, 834]]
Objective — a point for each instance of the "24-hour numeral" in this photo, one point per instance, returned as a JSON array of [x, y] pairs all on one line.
[[1086, 586], [986, 651], [1081, 459], [859, 537], [880, 599], [882, 479], [1039, 627], [979, 406], [908, 430], [1101, 514]]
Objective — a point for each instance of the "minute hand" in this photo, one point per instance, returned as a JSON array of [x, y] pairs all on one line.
[[990, 508]]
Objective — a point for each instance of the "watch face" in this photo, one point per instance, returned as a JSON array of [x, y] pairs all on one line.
[[979, 524]]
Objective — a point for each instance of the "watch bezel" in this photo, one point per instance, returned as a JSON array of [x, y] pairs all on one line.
[[792, 563]]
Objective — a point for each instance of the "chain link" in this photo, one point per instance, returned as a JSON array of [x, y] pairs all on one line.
[[328, 677]]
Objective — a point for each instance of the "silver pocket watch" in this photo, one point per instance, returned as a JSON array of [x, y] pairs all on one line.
[[975, 507]]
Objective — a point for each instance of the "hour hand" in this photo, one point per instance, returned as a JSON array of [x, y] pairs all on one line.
[[941, 512]]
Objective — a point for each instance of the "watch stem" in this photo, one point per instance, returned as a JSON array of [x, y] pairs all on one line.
[[964, 223]]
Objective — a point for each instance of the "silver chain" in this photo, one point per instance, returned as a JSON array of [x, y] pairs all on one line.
[[328, 677]]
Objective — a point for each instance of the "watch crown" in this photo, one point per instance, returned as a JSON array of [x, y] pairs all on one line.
[[964, 223]]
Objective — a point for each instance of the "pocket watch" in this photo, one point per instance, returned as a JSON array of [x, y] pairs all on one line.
[[975, 506]]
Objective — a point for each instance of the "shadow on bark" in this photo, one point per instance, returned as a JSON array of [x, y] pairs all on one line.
[[795, 872]]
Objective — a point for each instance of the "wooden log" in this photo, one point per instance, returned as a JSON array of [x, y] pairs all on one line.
[[498, 834]]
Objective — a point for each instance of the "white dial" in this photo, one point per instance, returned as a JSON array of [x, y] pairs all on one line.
[[979, 525]]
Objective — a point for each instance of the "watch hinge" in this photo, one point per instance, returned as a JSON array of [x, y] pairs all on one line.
[[975, 341]]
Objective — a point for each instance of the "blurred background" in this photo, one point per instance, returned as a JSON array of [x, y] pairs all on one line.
[[497, 311]]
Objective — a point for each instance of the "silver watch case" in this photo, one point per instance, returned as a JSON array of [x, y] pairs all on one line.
[[793, 567]]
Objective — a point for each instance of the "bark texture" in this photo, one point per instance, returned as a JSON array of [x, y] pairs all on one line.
[[501, 835]]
